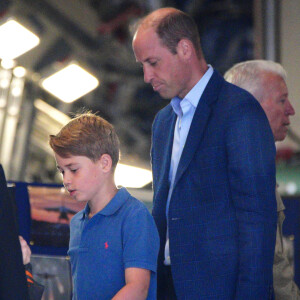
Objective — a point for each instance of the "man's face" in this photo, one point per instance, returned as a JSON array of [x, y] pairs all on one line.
[[165, 71], [277, 105], [81, 176]]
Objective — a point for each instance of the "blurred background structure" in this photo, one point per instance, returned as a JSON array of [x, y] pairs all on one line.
[[94, 37], [58, 58]]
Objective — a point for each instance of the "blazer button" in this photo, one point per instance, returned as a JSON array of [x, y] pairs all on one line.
[[175, 219]]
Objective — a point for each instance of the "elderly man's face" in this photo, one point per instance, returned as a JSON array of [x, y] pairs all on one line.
[[277, 105]]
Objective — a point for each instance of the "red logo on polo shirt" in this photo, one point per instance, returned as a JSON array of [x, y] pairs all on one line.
[[106, 245]]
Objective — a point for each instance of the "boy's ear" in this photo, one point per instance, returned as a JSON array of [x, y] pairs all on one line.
[[105, 162]]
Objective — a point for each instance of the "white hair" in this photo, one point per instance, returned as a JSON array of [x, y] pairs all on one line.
[[248, 75]]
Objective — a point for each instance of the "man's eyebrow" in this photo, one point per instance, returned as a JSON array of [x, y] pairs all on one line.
[[141, 62], [147, 60]]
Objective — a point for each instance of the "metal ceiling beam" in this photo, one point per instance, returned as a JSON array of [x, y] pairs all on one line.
[[69, 26]]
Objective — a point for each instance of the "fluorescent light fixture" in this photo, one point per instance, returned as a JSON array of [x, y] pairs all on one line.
[[16, 40], [132, 177], [70, 83]]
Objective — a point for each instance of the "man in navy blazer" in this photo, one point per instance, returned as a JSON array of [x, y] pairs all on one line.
[[213, 162]]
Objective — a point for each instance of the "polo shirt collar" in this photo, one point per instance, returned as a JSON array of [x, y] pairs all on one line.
[[113, 205]]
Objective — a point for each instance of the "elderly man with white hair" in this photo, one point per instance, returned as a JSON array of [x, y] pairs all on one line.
[[266, 81]]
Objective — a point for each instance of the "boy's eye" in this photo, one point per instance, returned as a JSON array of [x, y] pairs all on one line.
[[73, 170]]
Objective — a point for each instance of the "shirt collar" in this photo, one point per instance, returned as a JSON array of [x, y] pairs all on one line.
[[194, 95], [113, 205]]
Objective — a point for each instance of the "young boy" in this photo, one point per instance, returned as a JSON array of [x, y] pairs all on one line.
[[113, 241]]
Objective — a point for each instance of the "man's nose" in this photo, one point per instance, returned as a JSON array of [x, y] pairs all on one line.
[[290, 109], [148, 74]]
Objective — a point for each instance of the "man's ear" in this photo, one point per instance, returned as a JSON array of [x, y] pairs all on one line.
[[185, 49], [105, 162]]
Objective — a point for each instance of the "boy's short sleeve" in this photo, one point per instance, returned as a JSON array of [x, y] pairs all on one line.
[[140, 240]]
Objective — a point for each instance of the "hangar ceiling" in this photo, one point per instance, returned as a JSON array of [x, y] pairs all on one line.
[[96, 34]]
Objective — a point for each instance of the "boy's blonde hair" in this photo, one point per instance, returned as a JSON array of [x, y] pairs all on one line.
[[87, 135]]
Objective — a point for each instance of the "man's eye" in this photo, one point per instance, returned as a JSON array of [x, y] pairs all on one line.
[[153, 63], [73, 170]]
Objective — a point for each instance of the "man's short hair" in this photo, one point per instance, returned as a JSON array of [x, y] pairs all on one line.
[[248, 74], [87, 135], [176, 26], [171, 28]]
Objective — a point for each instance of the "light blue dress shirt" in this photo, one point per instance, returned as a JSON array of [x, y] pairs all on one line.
[[184, 109]]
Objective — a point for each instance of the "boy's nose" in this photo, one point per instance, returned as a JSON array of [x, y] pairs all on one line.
[[66, 181]]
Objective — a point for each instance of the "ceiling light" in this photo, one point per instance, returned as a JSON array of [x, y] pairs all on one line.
[[132, 177], [8, 64], [4, 83], [291, 188], [16, 40], [19, 72], [70, 83]]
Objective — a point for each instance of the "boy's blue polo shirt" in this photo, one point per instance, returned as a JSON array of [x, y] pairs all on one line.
[[120, 236]]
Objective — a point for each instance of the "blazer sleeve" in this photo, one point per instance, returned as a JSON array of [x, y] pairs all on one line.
[[251, 170]]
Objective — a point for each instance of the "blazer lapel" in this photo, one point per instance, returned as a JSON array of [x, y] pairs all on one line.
[[167, 147], [198, 125], [164, 148]]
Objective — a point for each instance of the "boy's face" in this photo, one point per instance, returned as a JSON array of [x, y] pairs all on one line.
[[82, 177]]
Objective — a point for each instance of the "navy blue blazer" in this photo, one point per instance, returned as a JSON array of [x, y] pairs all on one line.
[[222, 214]]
